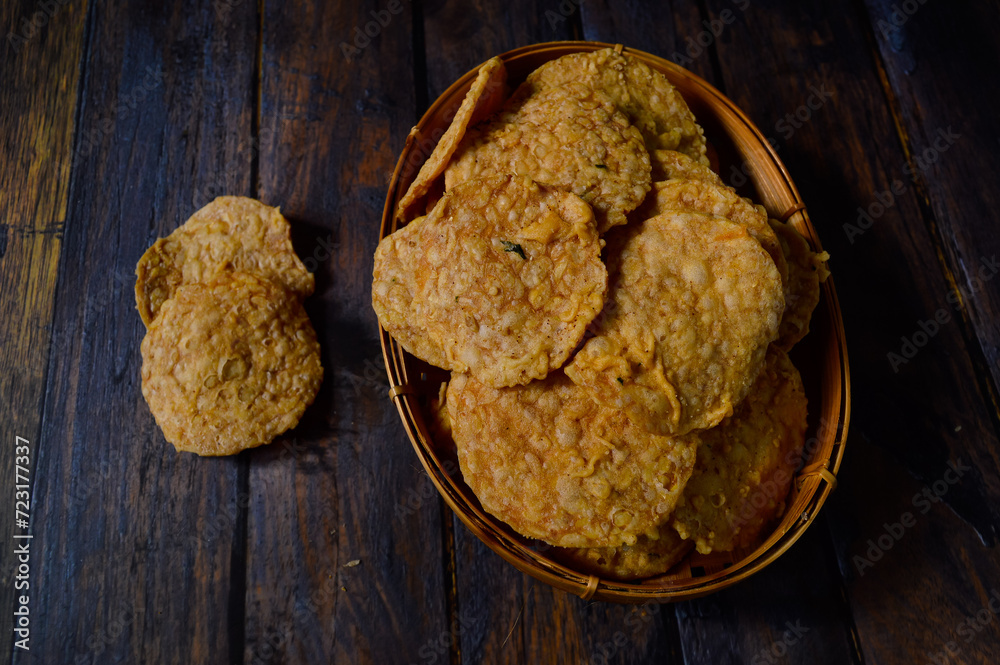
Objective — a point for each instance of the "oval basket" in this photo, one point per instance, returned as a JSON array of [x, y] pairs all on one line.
[[821, 357]]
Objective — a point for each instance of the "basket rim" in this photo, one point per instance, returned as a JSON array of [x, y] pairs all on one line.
[[814, 485]]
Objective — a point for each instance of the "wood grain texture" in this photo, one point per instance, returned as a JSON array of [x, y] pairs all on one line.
[[791, 612], [39, 77], [504, 616], [337, 571], [941, 62], [135, 542], [889, 279], [670, 30], [461, 35], [920, 582]]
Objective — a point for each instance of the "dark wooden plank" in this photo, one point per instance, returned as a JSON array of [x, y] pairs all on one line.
[[335, 572], [135, 543], [39, 77], [505, 616], [461, 35], [675, 31], [843, 153], [941, 63], [790, 612], [922, 587]]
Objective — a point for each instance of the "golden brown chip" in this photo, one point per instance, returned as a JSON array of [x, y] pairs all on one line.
[[500, 279], [570, 137], [693, 303], [647, 558], [230, 233], [557, 466], [649, 100], [230, 364], [746, 464], [806, 269], [484, 97], [715, 199], [670, 164], [396, 288]]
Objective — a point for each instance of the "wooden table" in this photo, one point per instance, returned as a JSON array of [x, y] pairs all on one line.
[[120, 119]]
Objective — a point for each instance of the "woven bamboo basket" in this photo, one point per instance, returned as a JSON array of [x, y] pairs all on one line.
[[821, 357]]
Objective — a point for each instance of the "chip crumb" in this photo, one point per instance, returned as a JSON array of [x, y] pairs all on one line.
[[352, 563]]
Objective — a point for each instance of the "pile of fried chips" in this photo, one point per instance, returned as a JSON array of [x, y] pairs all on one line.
[[230, 359], [615, 318]]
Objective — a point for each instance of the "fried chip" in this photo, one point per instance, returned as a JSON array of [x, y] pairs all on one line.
[[693, 303], [230, 364], [670, 164], [557, 466], [806, 269], [230, 233], [746, 464], [396, 290], [484, 97], [647, 558], [500, 279], [715, 199], [649, 100], [570, 137]]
